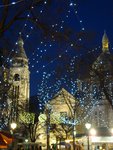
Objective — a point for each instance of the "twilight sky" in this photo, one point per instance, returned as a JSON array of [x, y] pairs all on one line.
[[72, 30], [88, 16]]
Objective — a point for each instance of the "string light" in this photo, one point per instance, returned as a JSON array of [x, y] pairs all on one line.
[[43, 89], [12, 3]]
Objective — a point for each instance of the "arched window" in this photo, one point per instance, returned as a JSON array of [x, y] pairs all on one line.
[[16, 77]]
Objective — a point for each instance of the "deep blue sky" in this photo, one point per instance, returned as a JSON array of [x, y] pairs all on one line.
[[67, 17], [98, 16], [94, 16]]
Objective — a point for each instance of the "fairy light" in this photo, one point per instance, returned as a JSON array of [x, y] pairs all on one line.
[[40, 51], [73, 5], [12, 3]]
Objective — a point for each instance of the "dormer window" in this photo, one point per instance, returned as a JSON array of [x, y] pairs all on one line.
[[16, 77]]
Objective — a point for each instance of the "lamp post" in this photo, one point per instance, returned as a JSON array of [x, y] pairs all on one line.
[[112, 131], [13, 126], [88, 126], [93, 132], [48, 112]]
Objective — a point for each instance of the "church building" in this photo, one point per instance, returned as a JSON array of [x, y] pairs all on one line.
[[17, 77], [100, 91]]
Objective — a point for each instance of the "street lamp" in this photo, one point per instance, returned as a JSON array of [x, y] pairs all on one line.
[[112, 131], [88, 126], [48, 112], [13, 125], [93, 132], [74, 134]]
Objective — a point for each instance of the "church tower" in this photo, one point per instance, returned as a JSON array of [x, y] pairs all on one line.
[[102, 75], [19, 79]]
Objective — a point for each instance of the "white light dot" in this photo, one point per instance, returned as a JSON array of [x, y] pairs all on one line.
[[13, 3], [71, 44], [71, 4]]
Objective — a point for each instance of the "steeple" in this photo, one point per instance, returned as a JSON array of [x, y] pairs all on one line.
[[105, 43], [20, 41], [20, 57], [20, 48]]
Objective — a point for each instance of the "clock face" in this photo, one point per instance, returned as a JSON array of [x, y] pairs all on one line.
[[42, 118]]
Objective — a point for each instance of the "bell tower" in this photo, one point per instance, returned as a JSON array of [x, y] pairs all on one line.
[[19, 79]]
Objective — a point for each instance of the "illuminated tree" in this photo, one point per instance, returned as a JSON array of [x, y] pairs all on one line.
[[30, 125]]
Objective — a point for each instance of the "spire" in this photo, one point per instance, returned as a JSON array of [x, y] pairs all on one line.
[[105, 43], [20, 48], [20, 41]]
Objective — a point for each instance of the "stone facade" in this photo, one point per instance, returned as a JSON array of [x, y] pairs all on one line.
[[58, 109], [19, 79]]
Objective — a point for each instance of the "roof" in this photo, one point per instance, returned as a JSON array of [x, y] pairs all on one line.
[[62, 96]]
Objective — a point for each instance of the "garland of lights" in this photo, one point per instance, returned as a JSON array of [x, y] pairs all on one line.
[[23, 28], [45, 75], [4, 124], [73, 5], [12, 3], [56, 58]]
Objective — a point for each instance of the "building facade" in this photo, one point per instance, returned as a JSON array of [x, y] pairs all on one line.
[[17, 76], [102, 80], [99, 90], [56, 112], [19, 80]]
